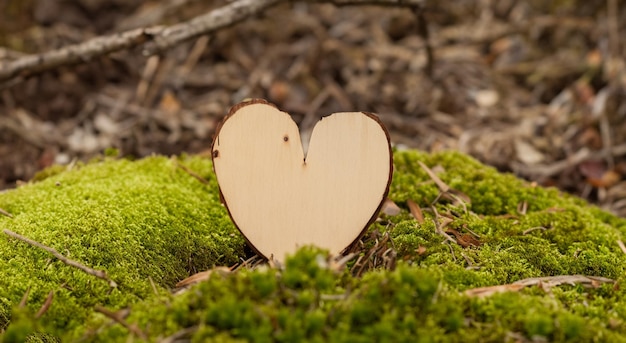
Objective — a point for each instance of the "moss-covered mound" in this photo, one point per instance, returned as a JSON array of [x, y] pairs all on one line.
[[151, 220], [145, 222]]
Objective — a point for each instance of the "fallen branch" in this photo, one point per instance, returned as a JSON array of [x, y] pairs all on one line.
[[155, 38], [99, 46], [219, 18], [97, 273]]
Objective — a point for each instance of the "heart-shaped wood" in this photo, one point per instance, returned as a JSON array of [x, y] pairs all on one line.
[[281, 199]]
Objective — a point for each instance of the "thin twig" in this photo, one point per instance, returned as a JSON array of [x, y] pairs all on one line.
[[451, 250], [439, 227], [340, 262], [119, 319], [443, 187], [621, 245], [98, 46], [470, 265], [542, 171], [192, 173], [97, 273], [154, 39]]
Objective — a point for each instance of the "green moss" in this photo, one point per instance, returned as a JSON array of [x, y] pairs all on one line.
[[407, 304], [139, 221], [167, 225]]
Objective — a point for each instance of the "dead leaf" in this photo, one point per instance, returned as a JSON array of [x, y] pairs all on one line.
[[390, 208], [598, 175], [527, 153], [486, 97], [416, 211], [608, 179], [169, 103], [464, 239]]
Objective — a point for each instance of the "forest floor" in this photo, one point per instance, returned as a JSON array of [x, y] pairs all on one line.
[[530, 87]]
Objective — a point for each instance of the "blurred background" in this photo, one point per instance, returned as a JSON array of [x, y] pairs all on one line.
[[536, 88]]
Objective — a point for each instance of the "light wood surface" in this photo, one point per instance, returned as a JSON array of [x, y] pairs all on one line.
[[280, 199]]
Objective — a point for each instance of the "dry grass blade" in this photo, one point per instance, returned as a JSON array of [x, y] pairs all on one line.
[[46, 305], [482, 292], [202, 276], [459, 197], [337, 264], [97, 273], [251, 263], [381, 254], [443, 187], [549, 281], [527, 231], [621, 246], [24, 300], [440, 224], [545, 282], [416, 211], [522, 207]]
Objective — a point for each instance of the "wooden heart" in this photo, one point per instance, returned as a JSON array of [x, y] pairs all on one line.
[[281, 199]]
